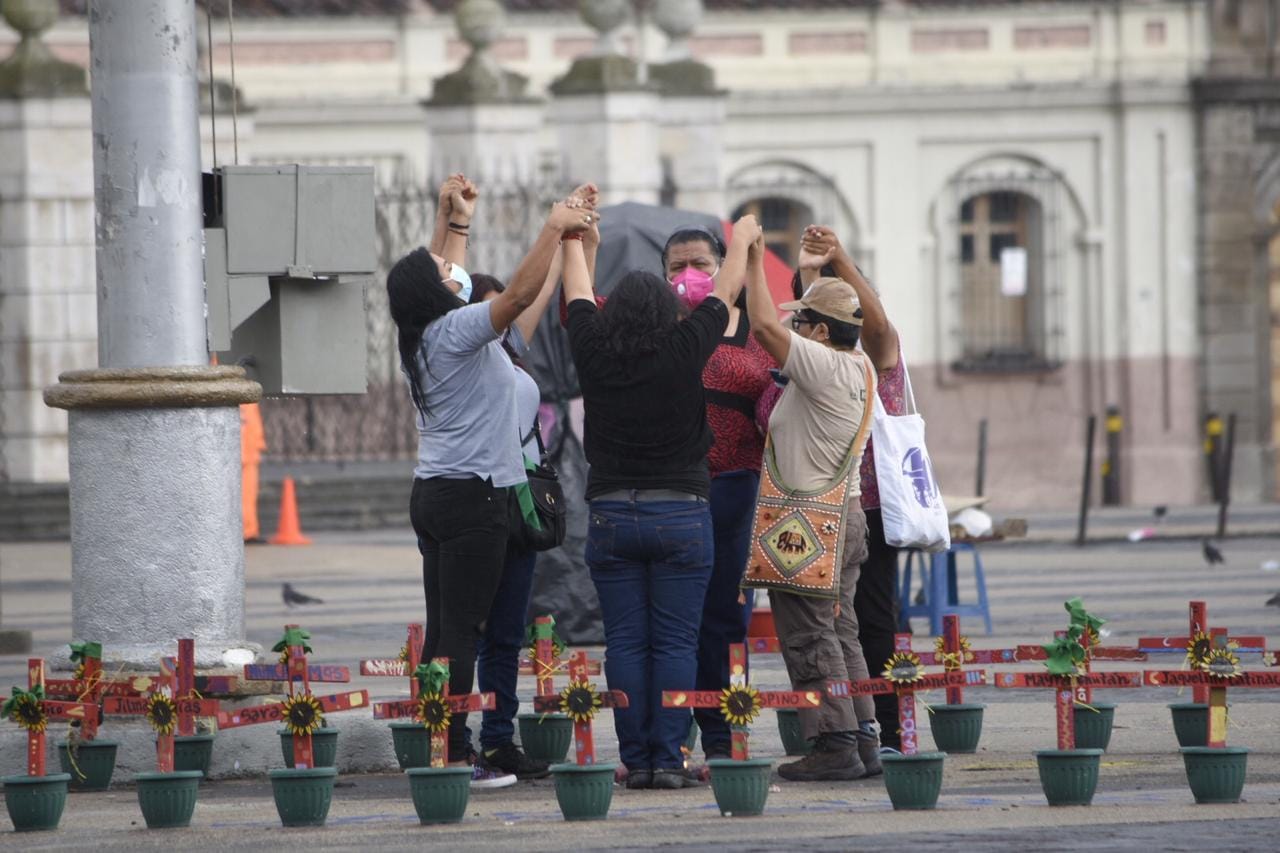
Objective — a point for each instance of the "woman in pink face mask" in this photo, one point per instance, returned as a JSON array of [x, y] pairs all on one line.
[[734, 378]]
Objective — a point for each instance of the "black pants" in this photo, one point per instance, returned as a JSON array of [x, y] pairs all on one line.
[[876, 604], [462, 533]]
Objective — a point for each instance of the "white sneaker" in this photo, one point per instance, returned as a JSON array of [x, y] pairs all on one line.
[[484, 776]]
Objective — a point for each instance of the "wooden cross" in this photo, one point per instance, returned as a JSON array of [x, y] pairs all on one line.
[[579, 701], [904, 678], [1197, 633], [309, 709], [1065, 688], [740, 703], [1220, 670], [34, 712], [403, 666], [433, 710], [163, 707], [545, 664]]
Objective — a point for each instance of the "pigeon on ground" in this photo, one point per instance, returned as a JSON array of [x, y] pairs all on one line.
[[1211, 554], [1274, 601], [291, 596]]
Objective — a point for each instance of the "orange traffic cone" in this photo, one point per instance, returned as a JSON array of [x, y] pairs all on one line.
[[289, 531]]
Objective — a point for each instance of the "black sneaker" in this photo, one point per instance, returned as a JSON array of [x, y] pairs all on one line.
[[671, 778], [509, 758]]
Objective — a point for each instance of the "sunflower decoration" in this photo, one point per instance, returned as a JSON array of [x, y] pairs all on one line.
[[952, 660], [580, 700], [434, 711], [903, 668], [404, 652], [162, 713], [24, 708], [293, 636], [1223, 663], [740, 705], [1198, 649], [303, 714]]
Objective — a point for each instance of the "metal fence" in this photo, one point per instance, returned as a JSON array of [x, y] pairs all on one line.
[[379, 425]]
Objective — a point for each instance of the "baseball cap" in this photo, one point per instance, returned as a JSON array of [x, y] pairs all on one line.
[[830, 297]]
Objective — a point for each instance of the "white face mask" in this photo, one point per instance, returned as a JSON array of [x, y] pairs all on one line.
[[463, 279]]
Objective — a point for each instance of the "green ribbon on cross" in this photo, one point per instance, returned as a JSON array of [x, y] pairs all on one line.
[[547, 631], [20, 695], [81, 651], [293, 637], [432, 677]]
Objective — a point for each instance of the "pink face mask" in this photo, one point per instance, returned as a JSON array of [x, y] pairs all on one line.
[[692, 285]]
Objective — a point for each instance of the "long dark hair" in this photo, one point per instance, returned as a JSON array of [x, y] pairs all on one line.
[[416, 296], [640, 313]]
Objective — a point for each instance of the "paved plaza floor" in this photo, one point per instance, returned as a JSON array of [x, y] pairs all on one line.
[[991, 800]]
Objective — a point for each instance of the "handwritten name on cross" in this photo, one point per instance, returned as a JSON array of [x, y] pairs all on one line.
[[580, 701], [434, 707], [33, 712], [903, 677], [546, 662], [740, 703], [302, 713], [1197, 644], [1219, 670], [1065, 689], [162, 710], [402, 666]]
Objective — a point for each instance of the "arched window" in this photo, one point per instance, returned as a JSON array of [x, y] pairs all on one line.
[[783, 220]]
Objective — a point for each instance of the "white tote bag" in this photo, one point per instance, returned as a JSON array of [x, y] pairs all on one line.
[[910, 500]]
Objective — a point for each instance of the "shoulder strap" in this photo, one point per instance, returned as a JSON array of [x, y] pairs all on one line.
[[535, 432]]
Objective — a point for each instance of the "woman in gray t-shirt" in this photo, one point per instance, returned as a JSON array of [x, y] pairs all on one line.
[[463, 388]]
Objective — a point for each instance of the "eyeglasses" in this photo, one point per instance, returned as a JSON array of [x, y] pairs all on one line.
[[798, 321]]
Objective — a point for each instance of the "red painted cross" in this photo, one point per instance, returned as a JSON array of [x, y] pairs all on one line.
[[1065, 690], [53, 710], [400, 667], [412, 709], [1198, 627], [545, 664], [751, 700], [1221, 672], [906, 688], [297, 674], [579, 700], [162, 686]]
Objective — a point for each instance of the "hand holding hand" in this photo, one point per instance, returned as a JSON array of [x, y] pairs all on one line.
[[451, 183], [588, 193], [571, 216], [463, 199], [746, 229], [819, 245]]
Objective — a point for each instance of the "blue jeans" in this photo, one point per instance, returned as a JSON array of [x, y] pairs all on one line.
[[500, 647], [724, 620], [650, 562]]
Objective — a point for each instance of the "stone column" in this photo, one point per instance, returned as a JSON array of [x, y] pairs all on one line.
[[48, 318], [154, 433], [607, 121], [692, 114], [479, 118]]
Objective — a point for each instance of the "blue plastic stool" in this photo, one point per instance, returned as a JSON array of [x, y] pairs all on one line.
[[941, 588]]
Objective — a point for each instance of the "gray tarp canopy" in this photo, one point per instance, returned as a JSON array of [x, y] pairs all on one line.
[[631, 237]]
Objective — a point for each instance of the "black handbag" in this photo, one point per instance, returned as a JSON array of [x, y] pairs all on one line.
[[548, 502]]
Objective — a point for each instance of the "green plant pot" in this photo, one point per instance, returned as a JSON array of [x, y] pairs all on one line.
[[324, 747], [412, 742], [1068, 776], [1216, 775], [303, 796], [913, 781], [95, 761], [1190, 723], [793, 742], [168, 799], [1093, 728], [545, 737], [741, 787], [956, 728], [35, 802], [193, 752], [584, 791], [440, 793]]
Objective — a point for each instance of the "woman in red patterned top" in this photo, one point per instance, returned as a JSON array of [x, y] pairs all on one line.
[[734, 378], [876, 601]]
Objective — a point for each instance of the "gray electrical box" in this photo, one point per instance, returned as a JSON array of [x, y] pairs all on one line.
[[289, 251]]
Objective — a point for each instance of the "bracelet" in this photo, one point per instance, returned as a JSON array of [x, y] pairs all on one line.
[[461, 226], [577, 235], [459, 231]]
